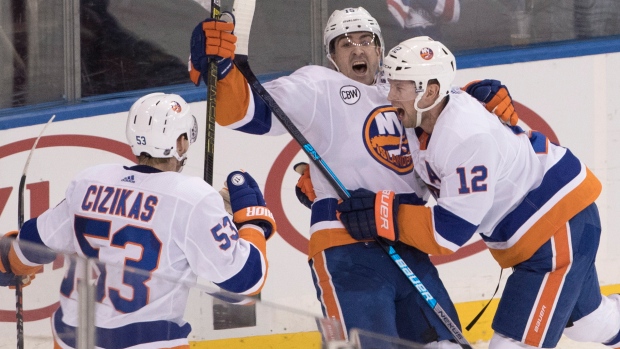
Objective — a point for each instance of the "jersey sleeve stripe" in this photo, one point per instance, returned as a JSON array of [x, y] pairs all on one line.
[[245, 111], [230, 110], [250, 278], [417, 229], [39, 254]]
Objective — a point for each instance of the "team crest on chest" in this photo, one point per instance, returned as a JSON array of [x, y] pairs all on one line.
[[386, 141]]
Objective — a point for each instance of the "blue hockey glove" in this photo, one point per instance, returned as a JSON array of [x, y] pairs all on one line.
[[212, 39], [496, 99], [248, 204], [367, 215], [304, 188]]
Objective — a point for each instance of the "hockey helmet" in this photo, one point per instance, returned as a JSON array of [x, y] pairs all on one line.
[[350, 20], [156, 121], [421, 59]]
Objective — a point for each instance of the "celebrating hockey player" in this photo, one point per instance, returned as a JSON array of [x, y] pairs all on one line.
[[344, 114], [531, 201], [178, 222]]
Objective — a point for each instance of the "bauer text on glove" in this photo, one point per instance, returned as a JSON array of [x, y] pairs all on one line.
[[367, 215]]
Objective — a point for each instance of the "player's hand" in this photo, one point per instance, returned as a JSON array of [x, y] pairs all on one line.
[[7, 277], [495, 98], [226, 197], [304, 189], [212, 39], [248, 204], [367, 215]]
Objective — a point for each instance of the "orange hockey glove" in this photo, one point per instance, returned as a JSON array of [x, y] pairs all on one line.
[[7, 277], [495, 98], [304, 189], [212, 39]]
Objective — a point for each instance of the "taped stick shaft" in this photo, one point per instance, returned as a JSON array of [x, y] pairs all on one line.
[[244, 14]]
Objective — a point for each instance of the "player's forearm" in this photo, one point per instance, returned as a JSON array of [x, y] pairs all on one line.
[[233, 98], [433, 230]]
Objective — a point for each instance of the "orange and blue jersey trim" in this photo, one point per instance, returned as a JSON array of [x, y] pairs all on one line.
[[327, 231], [566, 189], [251, 274], [235, 100], [422, 226]]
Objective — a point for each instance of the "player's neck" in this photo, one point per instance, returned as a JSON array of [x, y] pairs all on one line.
[[429, 118]]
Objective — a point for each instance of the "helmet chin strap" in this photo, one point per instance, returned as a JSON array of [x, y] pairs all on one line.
[[421, 110], [329, 57], [181, 159]]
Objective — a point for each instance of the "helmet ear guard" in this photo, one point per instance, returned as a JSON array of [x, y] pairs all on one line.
[[156, 121]]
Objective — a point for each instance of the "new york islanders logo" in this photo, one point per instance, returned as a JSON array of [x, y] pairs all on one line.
[[426, 53], [385, 139], [175, 106]]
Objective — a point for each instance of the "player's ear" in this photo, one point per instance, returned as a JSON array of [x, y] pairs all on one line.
[[432, 90], [182, 144]]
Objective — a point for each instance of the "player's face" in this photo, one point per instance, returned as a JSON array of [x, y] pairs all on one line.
[[357, 55], [182, 147], [402, 96]]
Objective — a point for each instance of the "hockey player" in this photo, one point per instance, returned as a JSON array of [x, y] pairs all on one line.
[[531, 201], [177, 223], [346, 117]]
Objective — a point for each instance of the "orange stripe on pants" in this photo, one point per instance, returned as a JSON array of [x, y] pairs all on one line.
[[328, 294], [550, 288]]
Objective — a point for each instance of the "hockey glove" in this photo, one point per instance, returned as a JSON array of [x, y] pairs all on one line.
[[212, 39], [367, 215], [7, 277], [495, 98], [304, 189], [248, 204]]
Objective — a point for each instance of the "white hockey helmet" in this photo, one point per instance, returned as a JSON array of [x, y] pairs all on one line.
[[156, 121], [350, 20], [421, 59]]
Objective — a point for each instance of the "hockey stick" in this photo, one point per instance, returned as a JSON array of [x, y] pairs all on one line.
[[243, 11], [211, 94], [19, 305]]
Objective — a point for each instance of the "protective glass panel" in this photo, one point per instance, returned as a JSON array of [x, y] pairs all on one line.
[[130, 306]]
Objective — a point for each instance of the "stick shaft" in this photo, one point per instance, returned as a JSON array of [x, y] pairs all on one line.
[[211, 96], [19, 304]]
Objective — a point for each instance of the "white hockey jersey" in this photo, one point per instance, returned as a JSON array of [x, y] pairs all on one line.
[[351, 125], [172, 226], [515, 190]]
